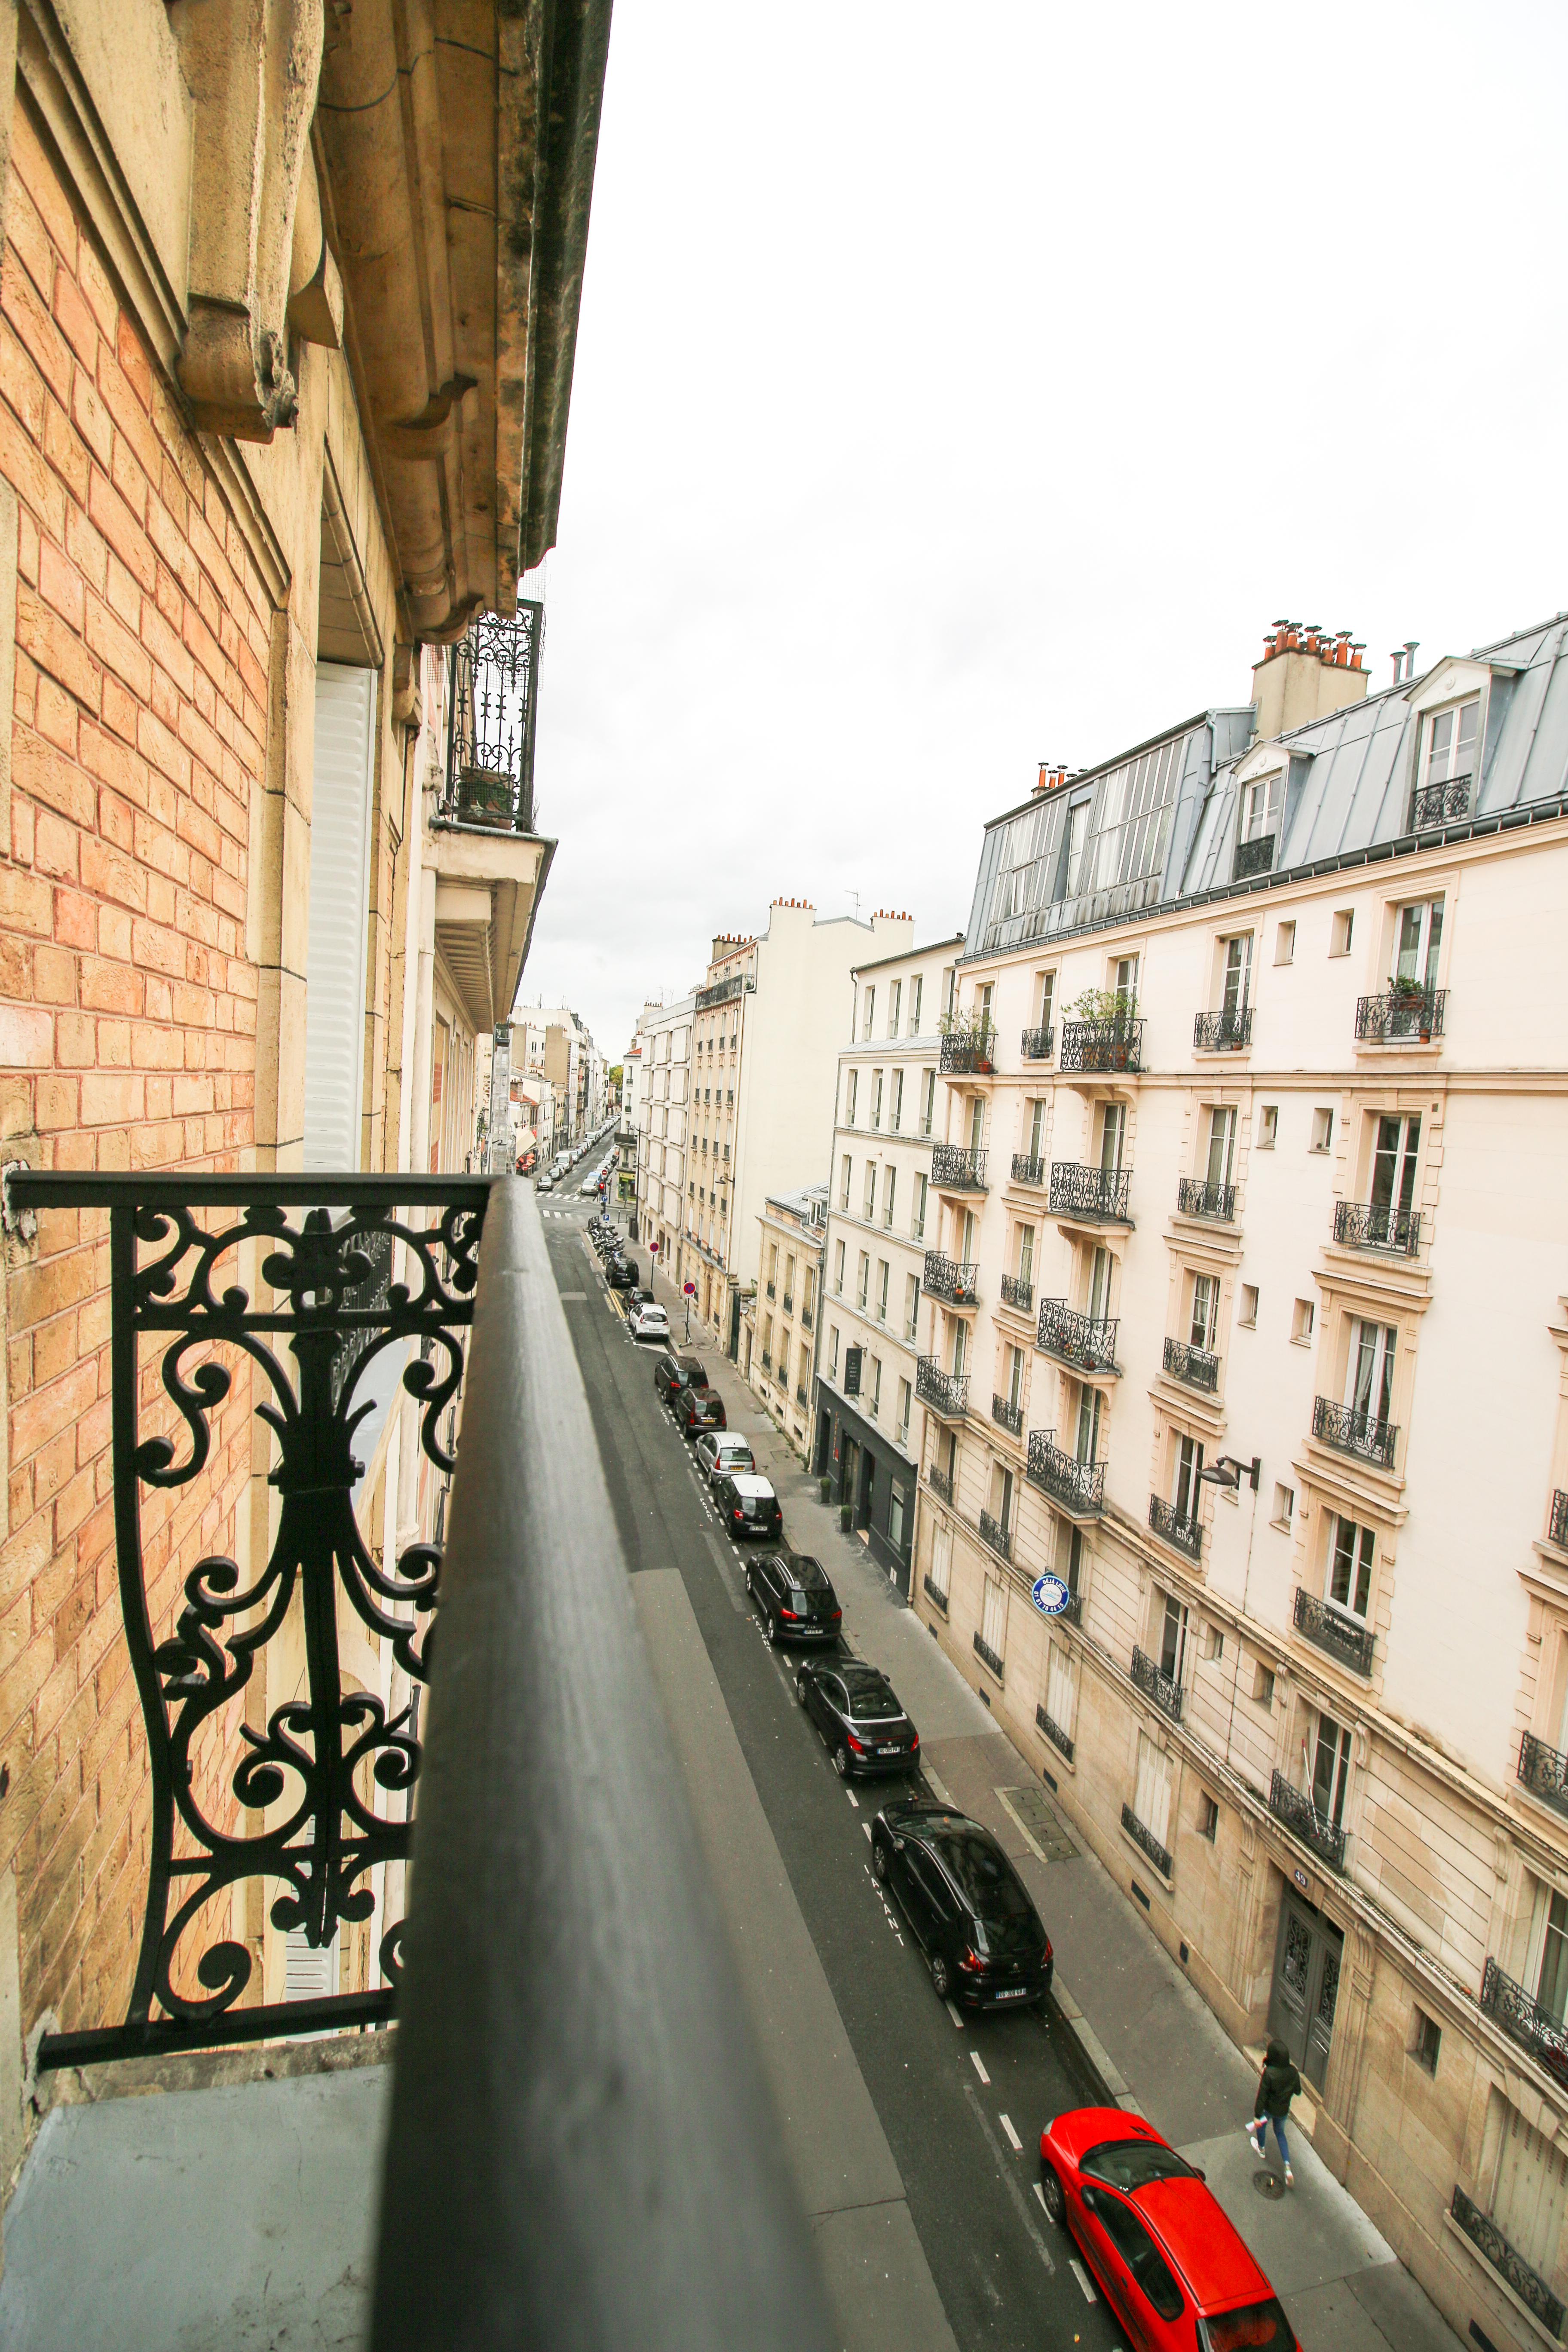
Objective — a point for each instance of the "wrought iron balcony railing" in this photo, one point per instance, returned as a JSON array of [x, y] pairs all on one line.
[[1157, 1853], [739, 983], [968, 1052], [1038, 1045], [807, 1318], [946, 1277], [1116, 1045], [1222, 1032], [1253, 858], [1301, 1817], [956, 1169], [1400, 1014], [1007, 1416], [1198, 1368], [1073, 1613], [993, 1658], [939, 1483], [788, 1303], [493, 686], [1196, 1198], [1509, 2265], [1100, 1195], [772, 1289], [1377, 1225], [1558, 1524], [1524, 2020], [1086, 1342], [994, 1533], [1543, 1771], [1078, 1486], [935, 1592], [947, 1393], [1156, 1685], [800, 1395], [1184, 1533], [1358, 1433], [1054, 1732], [1337, 1634], [1432, 805], [1028, 1168], [1018, 1293]]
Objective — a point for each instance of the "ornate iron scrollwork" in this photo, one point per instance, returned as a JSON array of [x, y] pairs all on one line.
[[494, 704]]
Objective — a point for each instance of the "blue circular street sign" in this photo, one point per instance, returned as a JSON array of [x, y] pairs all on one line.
[[1049, 1595]]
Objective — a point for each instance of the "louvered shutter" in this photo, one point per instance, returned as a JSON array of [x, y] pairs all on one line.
[[340, 907]]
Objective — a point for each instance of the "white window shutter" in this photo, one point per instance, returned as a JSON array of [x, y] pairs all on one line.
[[309, 1971], [340, 910]]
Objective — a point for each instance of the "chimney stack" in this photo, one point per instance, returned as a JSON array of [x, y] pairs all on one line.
[[1306, 672]]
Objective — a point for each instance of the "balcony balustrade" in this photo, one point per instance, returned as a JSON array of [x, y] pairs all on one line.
[[1157, 1685], [1544, 1772], [1337, 1634], [800, 1395], [1097, 1196], [1182, 1533], [1433, 804], [1073, 1613], [807, 1318], [1558, 1526], [956, 1169], [1524, 2020], [993, 1658], [1078, 1487], [1357, 1434], [1197, 1198], [994, 1533], [1111, 1046], [950, 1279], [935, 1592], [1028, 1170], [1196, 1368], [1054, 1732], [771, 1290], [1300, 1816], [1377, 1225], [939, 1483], [1017, 1293], [493, 675], [787, 1303], [1038, 1045], [739, 983], [969, 1053], [1223, 1032], [1008, 1414], [1400, 1015], [1145, 1838], [947, 1393], [1509, 2265], [1085, 1342], [1253, 858]]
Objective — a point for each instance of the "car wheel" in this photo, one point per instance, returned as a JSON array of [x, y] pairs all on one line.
[[879, 1862], [774, 1636], [750, 1588], [800, 1690], [841, 1761], [1051, 2196], [940, 1976]]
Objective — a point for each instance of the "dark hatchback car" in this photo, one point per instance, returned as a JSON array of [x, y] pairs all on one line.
[[857, 1713], [621, 1274], [698, 1409], [966, 1906], [793, 1591], [672, 1373], [748, 1507]]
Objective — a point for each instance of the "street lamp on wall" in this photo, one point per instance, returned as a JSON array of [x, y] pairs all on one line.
[[1227, 1471]]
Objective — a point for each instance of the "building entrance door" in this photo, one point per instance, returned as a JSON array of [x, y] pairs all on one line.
[[823, 1442], [1305, 1986], [848, 1466], [866, 1499]]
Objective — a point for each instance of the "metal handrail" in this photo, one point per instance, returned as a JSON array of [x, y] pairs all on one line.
[[1054, 1732], [1101, 1194], [1156, 1685], [1145, 1838], [1116, 1044], [1338, 1635], [1377, 1225], [1018, 1293], [991, 1531], [1301, 1817], [1183, 1530], [1253, 858], [1446, 804], [1196, 1368], [1358, 1433], [739, 983], [1028, 1168], [956, 1169], [1036, 1044], [1006, 1414], [949, 1278], [1524, 2020], [1398, 1014], [1510, 2264], [1086, 1342], [1543, 1771], [1197, 1198], [1223, 1032], [946, 1392], [1079, 1486]]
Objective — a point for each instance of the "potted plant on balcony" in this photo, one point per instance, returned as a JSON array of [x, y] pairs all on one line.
[[1112, 1009], [485, 796], [1413, 998], [972, 1036]]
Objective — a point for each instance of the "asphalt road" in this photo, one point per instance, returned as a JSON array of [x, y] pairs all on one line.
[[951, 2096]]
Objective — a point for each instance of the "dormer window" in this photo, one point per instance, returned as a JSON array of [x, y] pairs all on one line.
[[1259, 824], [1443, 790]]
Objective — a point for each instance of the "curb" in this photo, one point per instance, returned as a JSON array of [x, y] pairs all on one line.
[[1094, 2049]]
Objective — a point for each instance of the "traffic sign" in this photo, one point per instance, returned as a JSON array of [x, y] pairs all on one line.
[[1049, 1595], [691, 1289]]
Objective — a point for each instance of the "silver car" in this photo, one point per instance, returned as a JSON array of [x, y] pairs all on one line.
[[719, 1451]]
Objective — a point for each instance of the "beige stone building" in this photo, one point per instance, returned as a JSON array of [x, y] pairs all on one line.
[[779, 1327], [663, 1113], [1260, 1068]]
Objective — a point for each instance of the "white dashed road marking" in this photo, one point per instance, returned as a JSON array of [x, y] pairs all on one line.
[[1041, 2194], [1081, 2275], [952, 2012], [866, 1827], [979, 2068], [1007, 2123], [853, 1799]]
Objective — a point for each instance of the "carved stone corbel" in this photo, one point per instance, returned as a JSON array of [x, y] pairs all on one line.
[[252, 66]]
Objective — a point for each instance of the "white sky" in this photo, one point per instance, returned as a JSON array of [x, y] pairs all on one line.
[[960, 388]]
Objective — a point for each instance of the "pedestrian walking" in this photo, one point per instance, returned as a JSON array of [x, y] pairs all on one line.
[[1277, 2086]]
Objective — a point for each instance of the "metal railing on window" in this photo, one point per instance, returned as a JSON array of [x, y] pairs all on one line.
[[1086, 1342], [1100, 1195], [1078, 1486], [1400, 1014], [1017, 1292], [493, 687], [1509, 2265], [1183, 1532], [1377, 1225], [1558, 1524], [1054, 1732], [1157, 1685], [1543, 1771], [1197, 1198], [1008, 1414], [1145, 1838], [993, 1658], [800, 1396], [947, 1278], [787, 1303], [994, 1533], [1037, 1044], [935, 1592], [1338, 1635], [807, 1318], [968, 1053], [1028, 1168], [1446, 803], [1524, 2020], [1198, 1368], [939, 1483], [771, 1291], [1253, 858], [1358, 1433], [1223, 1032], [956, 1169], [946, 1392], [1109, 1045], [739, 984], [1302, 1819]]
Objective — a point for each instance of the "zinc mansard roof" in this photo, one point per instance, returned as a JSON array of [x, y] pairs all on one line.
[[1159, 826]]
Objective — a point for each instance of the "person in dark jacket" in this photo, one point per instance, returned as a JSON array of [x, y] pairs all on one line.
[[1277, 2086]]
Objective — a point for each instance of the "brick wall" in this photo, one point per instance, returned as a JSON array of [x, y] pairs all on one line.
[[127, 1030]]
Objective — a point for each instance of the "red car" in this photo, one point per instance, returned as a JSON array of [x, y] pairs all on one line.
[[1173, 2267]]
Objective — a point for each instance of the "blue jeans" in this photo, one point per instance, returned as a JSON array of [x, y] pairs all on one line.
[[1263, 2123]]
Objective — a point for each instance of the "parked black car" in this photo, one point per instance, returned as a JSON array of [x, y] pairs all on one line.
[[672, 1373], [793, 1591], [966, 1906], [857, 1713], [697, 1409]]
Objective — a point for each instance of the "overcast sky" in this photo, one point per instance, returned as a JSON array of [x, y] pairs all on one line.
[[958, 389]]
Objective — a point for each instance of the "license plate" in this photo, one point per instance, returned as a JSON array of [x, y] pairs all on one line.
[[890, 1751], [1019, 1992]]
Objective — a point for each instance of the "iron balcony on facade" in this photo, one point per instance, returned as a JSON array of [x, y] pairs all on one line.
[[739, 983], [950, 1279], [947, 1393], [1302, 1819], [939, 1483], [1435, 805], [1524, 2020], [1377, 1225], [999, 1537], [1399, 1015], [1223, 1032], [1182, 1532], [1077, 1488], [1157, 1685], [968, 1052], [1337, 1634], [1197, 1368], [1557, 1526], [934, 1593], [1253, 858], [788, 1303], [1028, 1170], [1113, 1045], [1096, 1196], [1017, 1293], [1054, 1732], [1197, 1198], [1147, 1841], [494, 687], [1360, 1435], [1038, 1045], [1509, 2265], [988, 1656], [1086, 1343], [807, 1318], [1007, 1416], [1544, 1772], [955, 1168]]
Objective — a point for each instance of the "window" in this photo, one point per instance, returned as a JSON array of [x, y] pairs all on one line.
[[1260, 807], [1152, 1798], [1284, 1508], [1331, 1771], [1396, 1145], [1301, 1323], [994, 1619], [1208, 1816], [844, 1183], [1124, 980], [1016, 1377], [883, 1277], [1369, 1381], [1072, 1566], [1002, 1496], [976, 1122], [774, 1269], [1263, 1687], [871, 1203], [941, 1559], [1238, 975], [916, 989], [1112, 1134], [839, 1269], [868, 1010], [949, 982], [895, 1000], [833, 1353], [960, 1350], [1420, 936], [897, 1120], [876, 1386], [1285, 943], [1090, 1402], [1322, 1130], [1204, 1316], [1026, 1253], [1058, 1686], [896, 1516], [1189, 1463], [1268, 1126], [1426, 2040], [851, 1088], [1450, 745], [911, 1304], [1045, 990], [1036, 1115], [889, 1185], [906, 1400], [876, 1099], [1530, 2187], [928, 1101], [789, 1281], [1247, 1316], [863, 1282], [1351, 1550], [1222, 1145], [1341, 931], [918, 1222]]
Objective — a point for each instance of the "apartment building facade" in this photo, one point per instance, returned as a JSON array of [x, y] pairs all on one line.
[[663, 1033], [885, 1251], [778, 1326], [1264, 1142]]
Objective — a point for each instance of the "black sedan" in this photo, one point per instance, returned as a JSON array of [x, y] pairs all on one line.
[[966, 1906], [698, 1409], [621, 1274], [857, 1713], [672, 1373], [793, 1591]]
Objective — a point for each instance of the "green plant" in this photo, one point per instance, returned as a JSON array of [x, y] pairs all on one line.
[[846, 1516], [975, 1029], [1406, 989], [824, 1489], [1103, 1004]]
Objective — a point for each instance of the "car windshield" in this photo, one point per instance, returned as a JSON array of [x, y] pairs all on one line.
[[871, 1699], [1132, 2164], [1261, 2327], [807, 1574], [986, 1876]]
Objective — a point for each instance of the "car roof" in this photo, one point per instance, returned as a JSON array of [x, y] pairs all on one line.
[[859, 1677], [686, 1363], [1203, 2242], [750, 1482]]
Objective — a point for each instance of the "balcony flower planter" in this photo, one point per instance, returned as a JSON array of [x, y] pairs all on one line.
[[485, 796]]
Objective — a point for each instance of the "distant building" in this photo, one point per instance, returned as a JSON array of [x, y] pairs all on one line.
[[779, 1327]]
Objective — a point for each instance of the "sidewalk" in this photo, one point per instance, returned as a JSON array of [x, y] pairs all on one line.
[[1156, 2045]]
